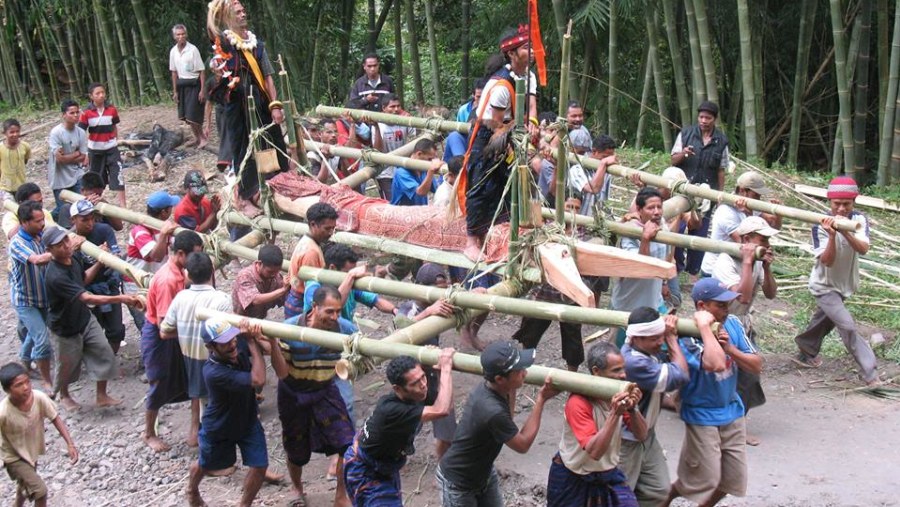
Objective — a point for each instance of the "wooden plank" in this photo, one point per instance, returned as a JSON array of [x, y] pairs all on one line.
[[593, 259], [862, 200], [562, 274]]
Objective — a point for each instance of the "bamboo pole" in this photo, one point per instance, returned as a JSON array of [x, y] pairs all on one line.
[[369, 171], [562, 170], [455, 259], [394, 119], [692, 190], [140, 277], [676, 205], [588, 385], [375, 156]]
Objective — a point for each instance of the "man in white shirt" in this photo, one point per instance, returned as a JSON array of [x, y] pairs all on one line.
[[188, 81]]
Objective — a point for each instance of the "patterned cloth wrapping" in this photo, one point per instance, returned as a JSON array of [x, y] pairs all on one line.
[[419, 225]]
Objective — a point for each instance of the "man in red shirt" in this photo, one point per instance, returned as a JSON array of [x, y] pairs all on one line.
[[163, 362], [100, 120], [196, 211]]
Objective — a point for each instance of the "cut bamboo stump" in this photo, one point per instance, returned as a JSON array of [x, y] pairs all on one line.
[[588, 385]]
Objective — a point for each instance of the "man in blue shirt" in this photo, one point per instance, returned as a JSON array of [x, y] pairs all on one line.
[[342, 258], [465, 111], [233, 371], [411, 188], [713, 460]]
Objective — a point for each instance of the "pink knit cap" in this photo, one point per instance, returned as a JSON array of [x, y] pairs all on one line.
[[842, 187]]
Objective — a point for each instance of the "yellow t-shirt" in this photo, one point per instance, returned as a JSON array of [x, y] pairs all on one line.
[[22, 433], [12, 165]]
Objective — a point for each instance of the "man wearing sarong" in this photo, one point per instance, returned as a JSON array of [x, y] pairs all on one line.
[[372, 464], [313, 414], [163, 362], [466, 473], [655, 372], [584, 471], [487, 162], [713, 461], [247, 72], [188, 83]]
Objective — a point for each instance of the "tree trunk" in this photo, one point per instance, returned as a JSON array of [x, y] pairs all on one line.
[[465, 43], [398, 51], [747, 84], [139, 68], [612, 94], [156, 68], [314, 90], [697, 78], [645, 97], [59, 42], [883, 44], [706, 53], [28, 52], [653, 60], [590, 47], [126, 61], [414, 52], [804, 41], [681, 88], [114, 89], [560, 18], [757, 44], [861, 106], [79, 57], [13, 92], [433, 49], [43, 33], [281, 48], [370, 27], [348, 12], [840, 64], [889, 132], [895, 150]]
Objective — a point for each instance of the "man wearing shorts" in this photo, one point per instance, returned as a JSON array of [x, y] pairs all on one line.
[[233, 371], [713, 460]]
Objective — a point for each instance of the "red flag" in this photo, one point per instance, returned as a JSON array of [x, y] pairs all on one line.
[[537, 44]]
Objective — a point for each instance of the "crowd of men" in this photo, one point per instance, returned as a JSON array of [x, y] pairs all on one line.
[[69, 305]]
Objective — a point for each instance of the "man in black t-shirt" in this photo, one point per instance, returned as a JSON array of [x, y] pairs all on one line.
[[466, 474], [372, 464], [77, 334]]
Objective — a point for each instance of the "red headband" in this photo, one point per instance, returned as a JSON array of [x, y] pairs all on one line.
[[517, 40]]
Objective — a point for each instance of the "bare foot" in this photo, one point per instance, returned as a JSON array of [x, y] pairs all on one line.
[[107, 401], [468, 337], [221, 473], [156, 444], [194, 499], [69, 404], [473, 253], [753, 440], [202, 144], [272, 477]]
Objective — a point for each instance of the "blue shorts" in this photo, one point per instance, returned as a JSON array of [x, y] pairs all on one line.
[[219, 454]]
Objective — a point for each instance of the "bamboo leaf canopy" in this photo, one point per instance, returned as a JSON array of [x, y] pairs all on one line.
[[588, 385]]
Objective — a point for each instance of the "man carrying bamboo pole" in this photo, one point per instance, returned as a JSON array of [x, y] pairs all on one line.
[[834, 278], [655, 372], [340, 257], [701, 150], [260, 286], [388, 138], [372, 464], [321, 218], [466, 474], [163, 362], [314, 416], [585, 469]]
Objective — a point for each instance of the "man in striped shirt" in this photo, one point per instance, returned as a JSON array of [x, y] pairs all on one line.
[[27, 261], [100, 120]]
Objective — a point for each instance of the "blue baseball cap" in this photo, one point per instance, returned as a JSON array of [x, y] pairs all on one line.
[[711, 289], [162, 199], [218, 331]]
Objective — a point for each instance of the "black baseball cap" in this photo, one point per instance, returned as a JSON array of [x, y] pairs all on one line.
[[503, 356]]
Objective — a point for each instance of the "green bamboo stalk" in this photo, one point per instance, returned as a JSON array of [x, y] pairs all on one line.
[[861, 82], [588, 385], [399, 76], [612, 115], [371, 170], [110, 55], [679, 186], [709, 65], [883, 45], [697, 78], [394, 119], [659, 85], [433, 51], [895, 149], [804, 38], [412, 31], [144, 27], [684, 104], [645, 97], [125, 62], [843, 85], [749, 93], [887, 126], [562, 169]]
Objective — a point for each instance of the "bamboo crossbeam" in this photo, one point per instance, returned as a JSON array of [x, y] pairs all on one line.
[[369, 171], [140, 277], [395, 119], [374, 156], [679, 186], [588, 385], [391, 246], [669, 238]]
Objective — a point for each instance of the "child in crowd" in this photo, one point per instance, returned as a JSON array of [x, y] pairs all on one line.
[[22, 415], [100, 120]]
